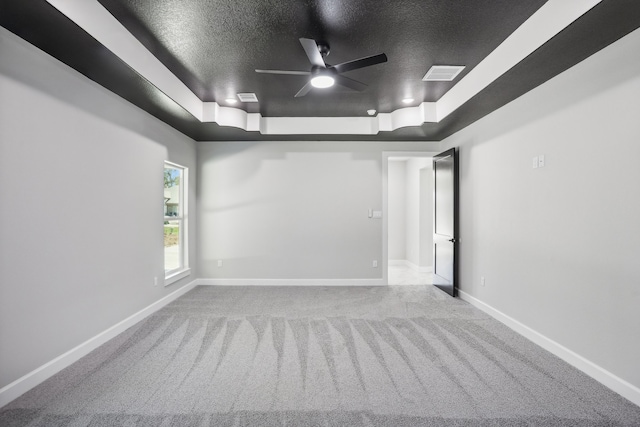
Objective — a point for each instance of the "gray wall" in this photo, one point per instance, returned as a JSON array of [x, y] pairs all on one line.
[[559, 246], [81, 217], [397, 191], [417, 241], [410, 225], [426, 216], [291, 210]]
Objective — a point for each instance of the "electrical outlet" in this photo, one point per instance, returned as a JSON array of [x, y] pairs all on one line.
[[219, 263], [535, 162], [482, 281], [375, 263]]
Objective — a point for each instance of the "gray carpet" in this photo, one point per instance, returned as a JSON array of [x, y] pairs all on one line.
[[321, 356]]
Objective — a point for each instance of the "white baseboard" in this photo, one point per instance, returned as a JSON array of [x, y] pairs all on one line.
[[615, 383], [409, 264], [291, 282], [37, 376], [419, 269]]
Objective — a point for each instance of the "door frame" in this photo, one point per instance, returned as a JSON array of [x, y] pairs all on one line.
[[385, 202]]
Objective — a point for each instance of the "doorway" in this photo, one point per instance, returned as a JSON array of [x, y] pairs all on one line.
[[408, 215]]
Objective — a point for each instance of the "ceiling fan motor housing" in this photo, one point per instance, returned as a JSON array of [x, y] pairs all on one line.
[[323, 48], [319, 71]]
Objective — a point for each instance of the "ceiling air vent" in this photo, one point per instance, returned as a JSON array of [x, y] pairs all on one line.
[[442, 73], [247, 97]]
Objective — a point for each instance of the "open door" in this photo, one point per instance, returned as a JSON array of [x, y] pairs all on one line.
[[445, 221]]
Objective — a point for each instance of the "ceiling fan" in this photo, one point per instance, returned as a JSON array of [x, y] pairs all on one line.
[[324, 75]]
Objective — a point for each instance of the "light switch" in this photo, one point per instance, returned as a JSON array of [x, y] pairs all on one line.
[[541, 161], [535, 162]]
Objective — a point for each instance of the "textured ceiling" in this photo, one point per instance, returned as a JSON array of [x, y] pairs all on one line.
[[214, 47]]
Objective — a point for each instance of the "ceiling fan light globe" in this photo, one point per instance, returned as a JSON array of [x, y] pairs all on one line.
[[322, 82]]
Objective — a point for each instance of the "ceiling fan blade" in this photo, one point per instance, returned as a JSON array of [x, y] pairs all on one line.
[[350, 83], [305, 90], [361, 63], [311, 48], [293, 73]]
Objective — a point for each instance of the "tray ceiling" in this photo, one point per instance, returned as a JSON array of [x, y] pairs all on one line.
[[207, 52]]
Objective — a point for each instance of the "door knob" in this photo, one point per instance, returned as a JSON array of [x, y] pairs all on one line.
[[452, 240]]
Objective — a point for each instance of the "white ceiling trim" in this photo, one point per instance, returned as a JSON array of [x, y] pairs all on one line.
[[254, 122], [92, 17], [549, 20]]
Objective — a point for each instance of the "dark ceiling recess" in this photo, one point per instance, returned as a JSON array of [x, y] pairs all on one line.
[[214, 48]]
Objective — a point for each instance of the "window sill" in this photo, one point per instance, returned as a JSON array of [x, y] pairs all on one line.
[[177, 275]]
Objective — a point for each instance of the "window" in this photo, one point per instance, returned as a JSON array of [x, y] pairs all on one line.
[[175, 222]]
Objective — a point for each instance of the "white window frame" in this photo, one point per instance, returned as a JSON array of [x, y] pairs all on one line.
[[171, 276]]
